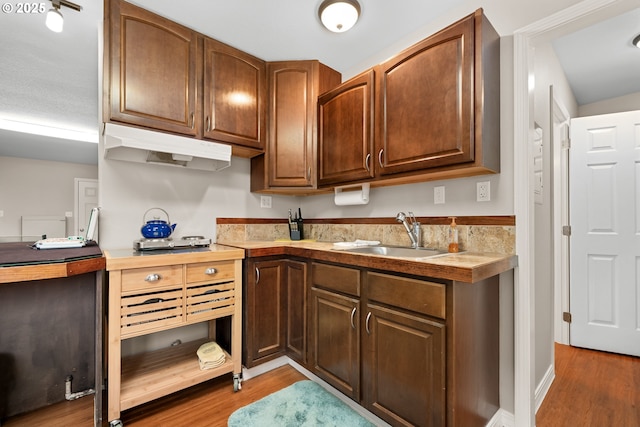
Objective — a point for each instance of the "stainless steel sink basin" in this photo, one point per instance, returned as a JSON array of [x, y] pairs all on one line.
[[397, 251]]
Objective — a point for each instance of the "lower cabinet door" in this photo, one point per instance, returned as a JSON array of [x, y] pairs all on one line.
[[295, 278], [336, 340], [264, 308], [404, 367]]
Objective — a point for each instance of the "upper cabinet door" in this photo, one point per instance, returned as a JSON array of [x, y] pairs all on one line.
[[292, 96], [345, 131], [425, 103], [153, 71], [234, 95]]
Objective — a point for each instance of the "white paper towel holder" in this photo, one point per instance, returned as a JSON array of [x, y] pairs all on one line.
[[356, 194]]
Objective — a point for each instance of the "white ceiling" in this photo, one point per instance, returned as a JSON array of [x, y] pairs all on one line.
[[601, 61], [52, 79]]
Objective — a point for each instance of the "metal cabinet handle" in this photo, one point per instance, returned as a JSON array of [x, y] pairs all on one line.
[[210, 271], [380, 157], [208, 123], [152, 278], [257, 275], [366, 162], [366, 323], [193, 120], [309, 174], [353, 313]]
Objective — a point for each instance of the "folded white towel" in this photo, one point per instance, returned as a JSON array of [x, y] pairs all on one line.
[[357, 243]]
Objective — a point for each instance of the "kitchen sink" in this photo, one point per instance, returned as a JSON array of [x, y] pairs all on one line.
[[397, 251]]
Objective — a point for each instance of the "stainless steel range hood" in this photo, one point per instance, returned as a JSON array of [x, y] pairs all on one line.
[[144, 146]]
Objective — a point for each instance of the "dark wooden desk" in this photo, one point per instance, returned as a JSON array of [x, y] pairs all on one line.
[[21, 264]]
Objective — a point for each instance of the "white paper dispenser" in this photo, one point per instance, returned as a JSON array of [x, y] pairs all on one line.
[[357, 194]]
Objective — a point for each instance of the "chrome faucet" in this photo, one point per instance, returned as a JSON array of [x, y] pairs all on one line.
[[413, 228]]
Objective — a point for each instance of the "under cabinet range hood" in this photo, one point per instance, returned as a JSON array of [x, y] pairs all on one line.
[[144, 146]]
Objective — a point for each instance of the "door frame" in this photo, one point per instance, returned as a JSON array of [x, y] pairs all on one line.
[[560, 208], [524, 41]]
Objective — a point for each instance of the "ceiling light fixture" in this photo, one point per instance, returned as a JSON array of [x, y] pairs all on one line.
[[636, 41], [54, 20], [339, 15]]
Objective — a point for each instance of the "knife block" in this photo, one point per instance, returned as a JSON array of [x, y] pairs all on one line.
[[295, 230]]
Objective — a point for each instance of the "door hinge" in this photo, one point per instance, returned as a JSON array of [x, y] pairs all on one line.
[[566, 230], [566, 316]]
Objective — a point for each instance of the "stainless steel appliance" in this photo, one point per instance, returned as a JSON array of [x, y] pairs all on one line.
[[169, 243]]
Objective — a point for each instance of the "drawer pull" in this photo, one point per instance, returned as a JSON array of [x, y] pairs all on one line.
[[153, 278], [153, 301], [210, 271], [353, 313], [257, 275], [366, 323]]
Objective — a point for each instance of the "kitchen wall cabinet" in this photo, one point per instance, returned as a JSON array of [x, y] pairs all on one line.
[[151, 76], [289, 164], [234, 96], [438, 104], [163, 76], [345, 131], [335, 326], [434, 109]]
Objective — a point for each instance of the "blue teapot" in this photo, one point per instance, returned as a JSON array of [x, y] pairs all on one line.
[[157, 228]]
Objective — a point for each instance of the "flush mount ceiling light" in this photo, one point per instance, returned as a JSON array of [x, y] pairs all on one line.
[[636, 41], [54, 20], [339, 15]]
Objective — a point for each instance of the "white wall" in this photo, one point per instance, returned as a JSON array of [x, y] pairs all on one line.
[[620, 104], [547, 72], [37, 187]]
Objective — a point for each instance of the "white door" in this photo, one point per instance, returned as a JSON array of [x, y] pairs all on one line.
[[605, 227], [86, 195]]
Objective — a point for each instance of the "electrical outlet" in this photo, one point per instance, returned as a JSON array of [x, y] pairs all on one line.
[[1, 214], [438, 195], [483, 191], [265, 202]]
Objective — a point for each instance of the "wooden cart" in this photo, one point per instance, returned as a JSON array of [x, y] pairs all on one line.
[[152, 292]]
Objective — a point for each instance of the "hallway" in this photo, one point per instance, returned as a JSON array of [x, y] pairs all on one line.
[[592, 388]]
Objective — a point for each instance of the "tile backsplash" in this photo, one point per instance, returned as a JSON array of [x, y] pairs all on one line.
[[472, 238]]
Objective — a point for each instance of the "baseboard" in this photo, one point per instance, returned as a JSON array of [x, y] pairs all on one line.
[[501, 418], [248, 373], [544, 386]]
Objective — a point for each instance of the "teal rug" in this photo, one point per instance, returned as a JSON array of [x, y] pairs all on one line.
[[304, 403]]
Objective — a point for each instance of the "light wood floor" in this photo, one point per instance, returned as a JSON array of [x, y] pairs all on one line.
[[205, 405], [592, 388]]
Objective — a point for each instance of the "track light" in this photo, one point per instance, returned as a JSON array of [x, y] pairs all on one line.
[[55, 20], [339, 15]]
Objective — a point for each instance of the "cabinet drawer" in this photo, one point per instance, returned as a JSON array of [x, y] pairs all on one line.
[[210, 271], [340, 279], [141, 279], [416, 295], [210, 301], [151, 310]]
